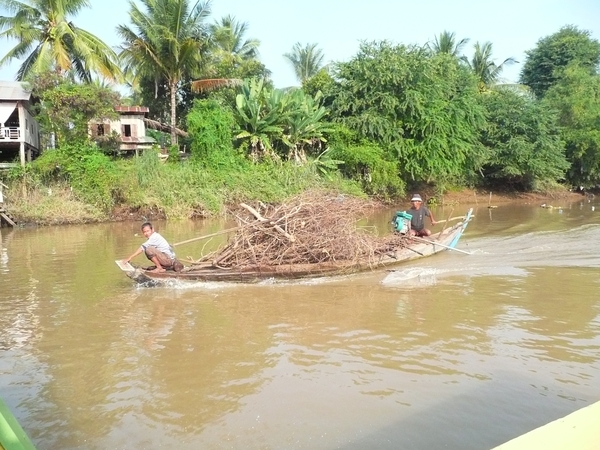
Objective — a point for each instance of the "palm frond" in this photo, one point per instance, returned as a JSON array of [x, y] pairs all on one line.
[[211, 84]]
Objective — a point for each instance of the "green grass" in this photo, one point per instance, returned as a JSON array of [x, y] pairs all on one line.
[[179, 190]]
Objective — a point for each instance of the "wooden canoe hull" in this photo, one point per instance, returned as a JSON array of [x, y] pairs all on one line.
[[208, 273]]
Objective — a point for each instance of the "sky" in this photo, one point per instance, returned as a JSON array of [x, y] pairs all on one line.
[[338, 26]]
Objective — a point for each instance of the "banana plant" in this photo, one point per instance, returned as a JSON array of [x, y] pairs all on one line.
[[258, 118], [305, 125], [325, 165]]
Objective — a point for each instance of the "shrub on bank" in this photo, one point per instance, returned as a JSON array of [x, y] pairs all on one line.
[[76, 184], [192, 189]]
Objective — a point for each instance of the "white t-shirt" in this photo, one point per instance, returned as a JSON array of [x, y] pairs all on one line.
[[160, 243]]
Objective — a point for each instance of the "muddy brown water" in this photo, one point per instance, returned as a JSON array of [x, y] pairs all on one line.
[[454, 351]]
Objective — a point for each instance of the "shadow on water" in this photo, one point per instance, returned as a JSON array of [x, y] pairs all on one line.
[[463, 422]]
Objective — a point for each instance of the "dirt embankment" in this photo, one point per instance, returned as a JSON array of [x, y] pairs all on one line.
[[469, 196], [466, 196]]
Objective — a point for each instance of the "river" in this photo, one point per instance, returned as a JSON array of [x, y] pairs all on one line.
[[454, 351]]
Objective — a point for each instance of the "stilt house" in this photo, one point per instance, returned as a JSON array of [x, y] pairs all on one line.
[[19, 131]]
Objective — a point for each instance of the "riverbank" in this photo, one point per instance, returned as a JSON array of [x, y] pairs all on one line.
[[470, 196], [61, 207], [465, 196]]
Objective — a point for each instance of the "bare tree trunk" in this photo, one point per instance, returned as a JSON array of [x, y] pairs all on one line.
[[173, 92]]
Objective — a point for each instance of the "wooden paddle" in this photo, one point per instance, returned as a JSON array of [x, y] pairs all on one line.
[[229, 230], [445, 223], [451, 219], [426, 241]]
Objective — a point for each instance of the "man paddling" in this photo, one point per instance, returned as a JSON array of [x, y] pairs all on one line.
[[418, 213], [157, 250]]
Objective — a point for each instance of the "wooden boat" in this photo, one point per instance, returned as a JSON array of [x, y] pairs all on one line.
[[420, 247]]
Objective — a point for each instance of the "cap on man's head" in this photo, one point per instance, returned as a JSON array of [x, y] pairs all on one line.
[[416, 198]]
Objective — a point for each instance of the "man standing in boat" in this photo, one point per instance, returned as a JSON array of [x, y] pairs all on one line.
[[418, 213], [157, 250]]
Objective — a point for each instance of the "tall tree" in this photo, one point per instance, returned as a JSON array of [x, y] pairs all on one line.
[[523, 141], [48, 40], [553, 53], [234, 55], [229, 38], [484, 67], [423, 109], [447, 42], [65, 108], [167, 43], [575, 96], [306, 60]]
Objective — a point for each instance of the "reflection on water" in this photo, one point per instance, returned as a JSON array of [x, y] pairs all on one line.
[[454, 351]]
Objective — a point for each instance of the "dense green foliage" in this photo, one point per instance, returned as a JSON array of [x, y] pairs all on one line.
[[93, 177], [178, 191], [275, 123], [66, 107], [576, 97], [321, 82], [258, 113], [421, 108], [545, 62], [522, 140], [211, 126], [365, 162]]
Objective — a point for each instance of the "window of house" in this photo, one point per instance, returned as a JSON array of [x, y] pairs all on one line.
[[127, 130], [100, 130]]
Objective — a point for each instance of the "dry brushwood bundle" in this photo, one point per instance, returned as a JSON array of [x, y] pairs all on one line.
[[314, 227]]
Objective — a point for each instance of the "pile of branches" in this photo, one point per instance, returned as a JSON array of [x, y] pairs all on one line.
[[314, 227]]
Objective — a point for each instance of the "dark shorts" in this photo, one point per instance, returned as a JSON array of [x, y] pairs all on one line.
[[163, 259], [421, 233]]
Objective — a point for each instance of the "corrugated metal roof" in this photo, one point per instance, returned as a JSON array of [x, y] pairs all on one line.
[[132, 109], [13, 90]]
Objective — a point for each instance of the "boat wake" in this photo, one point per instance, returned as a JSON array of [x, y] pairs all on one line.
[[509, 255], [412, 277], [179, 284]]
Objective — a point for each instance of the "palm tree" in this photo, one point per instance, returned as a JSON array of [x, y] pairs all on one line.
[[446, 43], [484, 66], [234, 55], [228, 38], [306, 61], [168, 43], [47, 39]]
